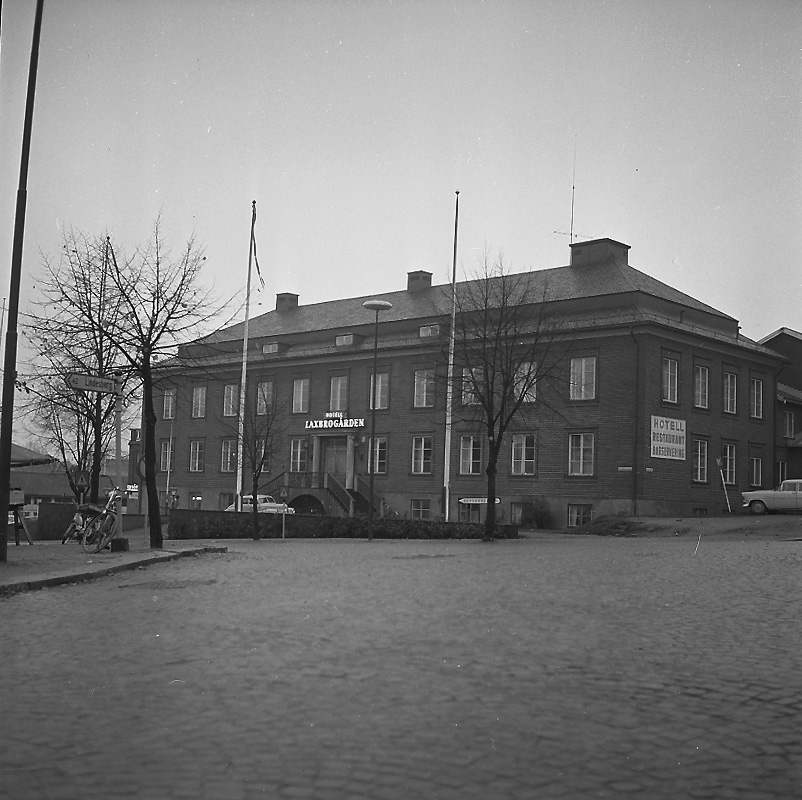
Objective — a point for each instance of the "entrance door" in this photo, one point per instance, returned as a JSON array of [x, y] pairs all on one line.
[[335, 457]]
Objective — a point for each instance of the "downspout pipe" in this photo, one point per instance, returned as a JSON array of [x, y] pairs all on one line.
[[636, 423]]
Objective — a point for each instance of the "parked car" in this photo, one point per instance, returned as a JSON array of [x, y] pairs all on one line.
[[787, 497], [265, 504]]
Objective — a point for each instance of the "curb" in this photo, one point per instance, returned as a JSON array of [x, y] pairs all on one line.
[[78, 577]]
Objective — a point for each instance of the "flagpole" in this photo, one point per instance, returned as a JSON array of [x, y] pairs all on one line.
[[450, 377], [244, 374]]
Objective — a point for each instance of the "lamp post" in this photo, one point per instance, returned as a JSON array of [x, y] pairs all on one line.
[[377, 306]]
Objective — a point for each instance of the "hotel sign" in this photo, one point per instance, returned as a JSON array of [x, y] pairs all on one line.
[[336, 419], [668, 438]]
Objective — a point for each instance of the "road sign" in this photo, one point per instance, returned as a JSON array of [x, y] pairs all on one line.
[[81, 478], [90, 383]]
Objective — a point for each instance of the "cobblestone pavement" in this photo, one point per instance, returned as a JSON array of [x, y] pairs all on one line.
[[560, 667]]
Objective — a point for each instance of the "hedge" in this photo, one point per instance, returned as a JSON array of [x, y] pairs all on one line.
[[192, 524]]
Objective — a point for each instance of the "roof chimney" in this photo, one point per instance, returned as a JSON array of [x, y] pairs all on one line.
[[286, 301], [419, 280], [598, 251]]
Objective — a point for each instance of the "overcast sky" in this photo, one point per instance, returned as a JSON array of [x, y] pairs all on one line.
[[353, 123]]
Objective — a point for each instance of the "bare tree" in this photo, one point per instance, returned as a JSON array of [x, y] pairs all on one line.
[[506, 348], [67, 333], [162, 305]]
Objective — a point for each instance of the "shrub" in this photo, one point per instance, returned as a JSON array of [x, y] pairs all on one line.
[[536, 511]]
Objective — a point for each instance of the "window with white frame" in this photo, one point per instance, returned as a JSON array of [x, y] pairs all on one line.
[[470, 455], [583, 378], [166, 455], [789, 428], [228, 455], [470, 378], [523, 454], [196, 449], [755, 471], [338, 393], [300, 396], [579, 514], [670, 382], [264, 397], [344, 339], [230, 399], [198, 401], [701, 386], [782, 471], [196, 501], [377, 454], [381, 391], [525, 382], [728, 454], [424, 388], [429, 330], [298, 455], [756, 399], [269, 348], [730, 393], [420, 508], [168, 408], [261, 455], [421, 455], [470, 512], [700, 450], [581, 447]]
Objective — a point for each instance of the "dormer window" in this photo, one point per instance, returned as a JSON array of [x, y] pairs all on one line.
[[269, 348], [344, 339], [429, 330]]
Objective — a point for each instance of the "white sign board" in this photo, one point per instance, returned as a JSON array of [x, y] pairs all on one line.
[[668, 438], [90, 383]]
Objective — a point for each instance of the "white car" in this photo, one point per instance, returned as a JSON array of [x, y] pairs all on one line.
[[788, 497], [265, 504]]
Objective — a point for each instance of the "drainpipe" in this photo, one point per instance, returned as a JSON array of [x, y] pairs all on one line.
[[635, 438]]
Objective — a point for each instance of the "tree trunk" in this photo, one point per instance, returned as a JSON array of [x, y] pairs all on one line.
[[97, 433], [254, 489], [490, 516], [149, 416]]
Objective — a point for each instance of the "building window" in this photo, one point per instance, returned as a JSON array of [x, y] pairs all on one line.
[[382, 390], [516, 513], [298, 455], [230, 399], [470, 455], [300, 396], [469, 386], [583, 378], [227, 499], [344, 339], [377, 454], [338, 393], [579, 514], [196, 448], [525, 385], [166, 456], [228, 456], [789, 425], [429, 330], [198, 401], [264, 397], [421, 508], [701, 386], [580, 453], [782, 471], [730, 393], [523, 454], [262, 457], [269, 349], [421, 455], [424, 388], [700, 460], [756, 399], [196, 501], [670, 380], [168, 409], [728, 464], [470, 512], [755, 471]]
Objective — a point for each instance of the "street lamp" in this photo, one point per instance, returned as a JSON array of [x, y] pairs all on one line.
[[377, 306]]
